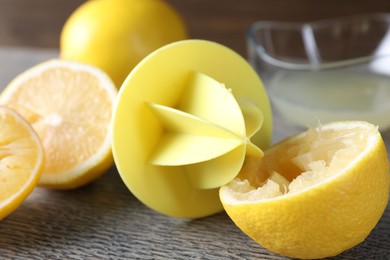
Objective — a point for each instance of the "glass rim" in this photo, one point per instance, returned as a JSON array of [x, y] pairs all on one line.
[[312, 64]]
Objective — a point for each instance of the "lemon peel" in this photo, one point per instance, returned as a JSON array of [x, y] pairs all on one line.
[[21, 160], [116, 35], [313, 195]]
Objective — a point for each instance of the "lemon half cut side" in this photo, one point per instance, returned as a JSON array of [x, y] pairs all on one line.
[[313, 195], [69, 105], [21, 160]]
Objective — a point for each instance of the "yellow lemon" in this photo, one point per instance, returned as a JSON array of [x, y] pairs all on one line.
[[115, 35], [21, 160], [70, 107], [313, 195]]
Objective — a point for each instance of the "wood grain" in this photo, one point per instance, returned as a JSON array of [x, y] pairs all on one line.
[[104, 221]]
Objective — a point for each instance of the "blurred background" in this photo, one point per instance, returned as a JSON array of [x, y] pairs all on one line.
[[38, 23]]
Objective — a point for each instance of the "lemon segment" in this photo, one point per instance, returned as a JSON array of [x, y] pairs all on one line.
[[313, 195], [21, 160]]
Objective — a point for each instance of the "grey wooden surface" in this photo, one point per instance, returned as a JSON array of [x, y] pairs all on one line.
[[103, 220]]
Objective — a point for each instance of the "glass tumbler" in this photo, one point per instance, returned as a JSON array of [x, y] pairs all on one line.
[[329, 70]]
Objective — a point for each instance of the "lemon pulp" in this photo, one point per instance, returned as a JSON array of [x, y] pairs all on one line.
[[303, 164], [313, 195]]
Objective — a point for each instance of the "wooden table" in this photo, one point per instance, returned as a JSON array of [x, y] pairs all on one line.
[[103, 220]]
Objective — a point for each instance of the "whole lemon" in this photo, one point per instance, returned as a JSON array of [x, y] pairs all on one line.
[[115, 35]]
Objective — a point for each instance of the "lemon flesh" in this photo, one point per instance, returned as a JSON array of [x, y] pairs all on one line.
[[313, 195], [69, 105], [21, 160]]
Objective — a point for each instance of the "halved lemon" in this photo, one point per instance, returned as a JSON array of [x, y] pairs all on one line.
[[313, 195], [70, 106], [21, 160]]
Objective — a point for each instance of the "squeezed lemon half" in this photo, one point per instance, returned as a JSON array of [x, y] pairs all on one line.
[[313, 195]]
